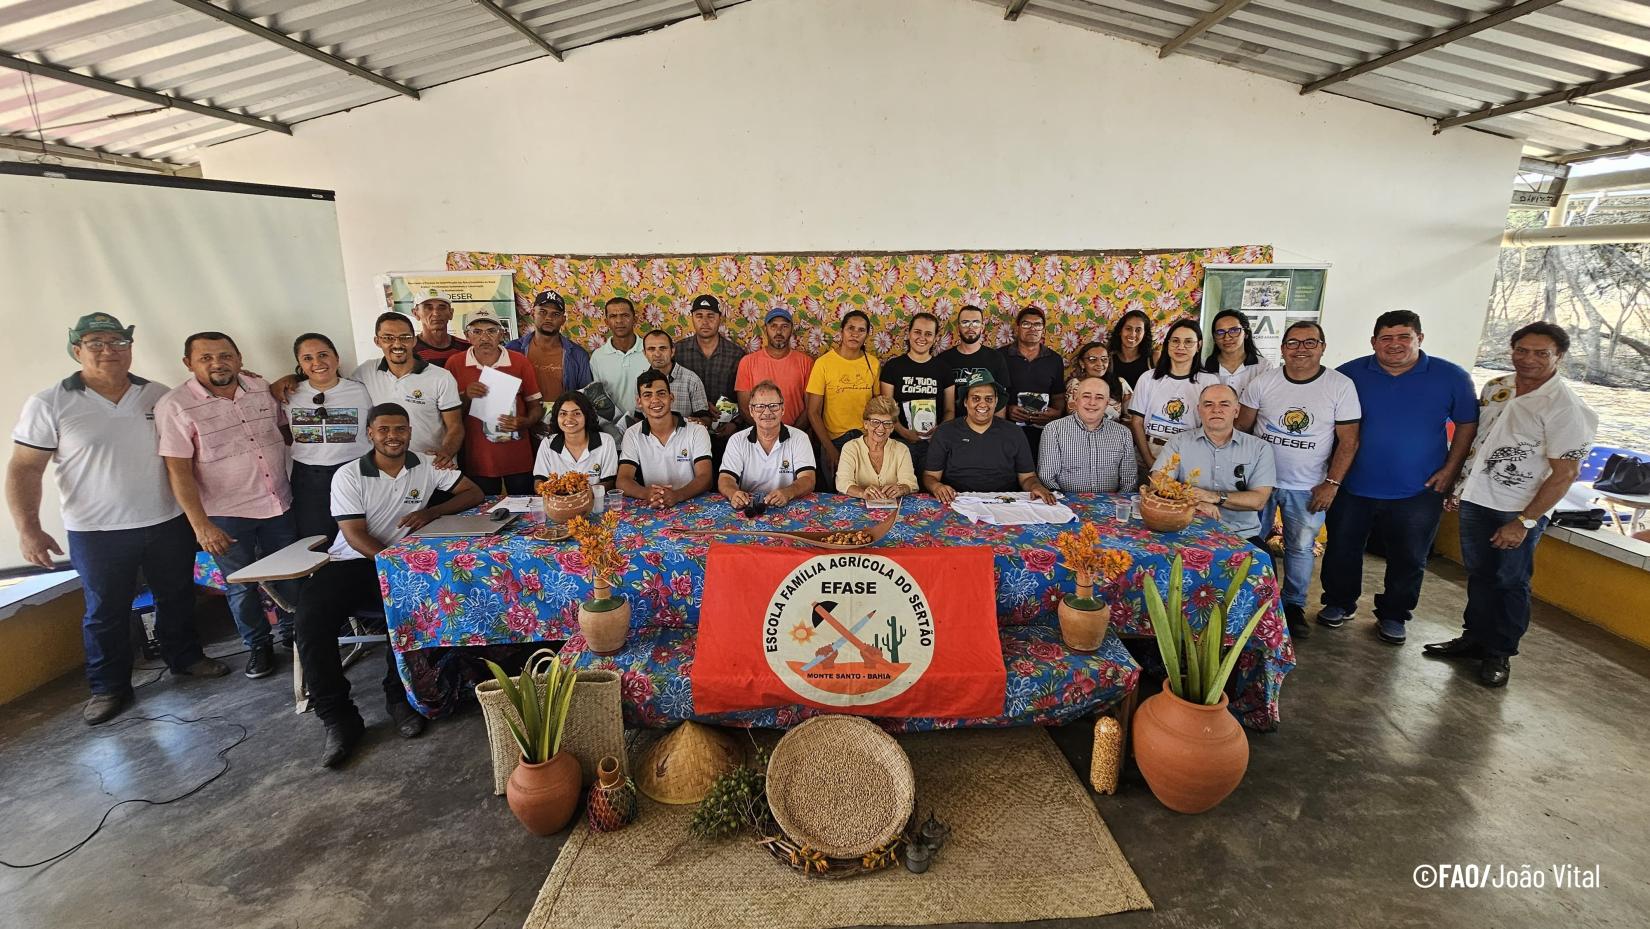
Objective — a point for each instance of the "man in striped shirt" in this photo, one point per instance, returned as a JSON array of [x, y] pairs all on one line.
[[1085, 452]]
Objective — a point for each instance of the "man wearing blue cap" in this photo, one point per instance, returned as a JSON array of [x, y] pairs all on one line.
[[779, 363], [98, 427]]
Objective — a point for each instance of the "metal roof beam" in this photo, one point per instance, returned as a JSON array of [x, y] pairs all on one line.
[[521, 27], [1593, 154], [707, 9], [293, 45], [136, 93], [1506, 14], [1015, 8], [32, 146], [1210, 20], [1562, 95]]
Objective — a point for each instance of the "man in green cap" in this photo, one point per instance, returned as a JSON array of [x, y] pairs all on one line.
[[98, 427], [980, 451]]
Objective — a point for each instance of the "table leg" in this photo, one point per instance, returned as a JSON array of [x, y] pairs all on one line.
[[1610, 508]]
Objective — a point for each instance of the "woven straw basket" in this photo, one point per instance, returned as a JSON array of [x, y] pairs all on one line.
[[595, 726], [840, 785]]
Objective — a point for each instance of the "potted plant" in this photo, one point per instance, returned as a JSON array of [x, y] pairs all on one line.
[[1083, 616], [544, 789], [604, 619], [1190, 748], [565, 496], [1166, 504]]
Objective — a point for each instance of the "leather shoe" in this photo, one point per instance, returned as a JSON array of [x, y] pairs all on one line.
[[1296, 617], [104, 707], [1459, 647], [261, 663], [341, 741], [408, 723], [1493, 672], [206, 667]]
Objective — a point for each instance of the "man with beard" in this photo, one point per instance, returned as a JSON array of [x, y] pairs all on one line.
[[225, 458], [969, 356], [779, 363], [714, 358], [426, 391], [1039, 377], [561, 364], [617, 362], [981, 452]]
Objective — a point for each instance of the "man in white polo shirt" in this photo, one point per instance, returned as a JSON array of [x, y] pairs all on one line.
[[663, 459], [770, 461], [428, 392], [617, 362], [1309, 414], [98, 427], [377, 500]]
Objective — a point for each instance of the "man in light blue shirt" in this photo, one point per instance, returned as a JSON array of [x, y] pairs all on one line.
[[1235, 470], [619, 360]]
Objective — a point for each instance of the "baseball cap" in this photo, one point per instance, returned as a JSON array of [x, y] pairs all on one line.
[[482, 316], [549, 298], [426, 295], [981, 377], [777, 312], [707, 302], [96, 322]]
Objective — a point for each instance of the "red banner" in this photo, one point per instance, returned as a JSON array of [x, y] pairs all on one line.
[[889, 632]]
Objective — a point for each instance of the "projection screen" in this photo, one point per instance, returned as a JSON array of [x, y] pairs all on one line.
[[170, 255]]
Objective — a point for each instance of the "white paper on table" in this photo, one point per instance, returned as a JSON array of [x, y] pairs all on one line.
[[1010, 509], [500, 399], [520, 505]]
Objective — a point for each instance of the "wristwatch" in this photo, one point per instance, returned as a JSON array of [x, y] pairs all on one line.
[[1527, 522], [1222, 501]]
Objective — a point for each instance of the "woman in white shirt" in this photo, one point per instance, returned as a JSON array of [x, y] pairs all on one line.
[[1234, 358], [326, 424], [1094, 360], [577, 444], [1164, 403]]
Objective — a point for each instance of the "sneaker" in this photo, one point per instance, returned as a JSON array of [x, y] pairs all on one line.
[[407, 721], [1296, 616], [1390, 631], [104, 707], [206, 667], [261, 663], [1334, 616]]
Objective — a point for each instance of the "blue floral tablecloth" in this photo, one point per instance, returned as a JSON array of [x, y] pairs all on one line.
[[514, 588]]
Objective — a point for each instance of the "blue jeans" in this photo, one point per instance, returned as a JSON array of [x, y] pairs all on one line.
[[108, 563], [1300, 534], [1498, 580], [254, 539], [1406, 528]]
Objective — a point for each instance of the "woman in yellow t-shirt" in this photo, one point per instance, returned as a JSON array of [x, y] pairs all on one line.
[[841, 381]]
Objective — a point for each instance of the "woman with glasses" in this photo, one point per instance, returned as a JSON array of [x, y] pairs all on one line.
[[577, 444], [1234, 359], [871, 467], [1165, 401], [326, 424], [1130, 346], [1093, 360]]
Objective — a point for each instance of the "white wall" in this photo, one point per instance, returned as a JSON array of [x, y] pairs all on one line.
[[863, 124]]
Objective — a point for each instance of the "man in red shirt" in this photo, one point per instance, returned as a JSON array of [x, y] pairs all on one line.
[[777, 362], [497, 456]]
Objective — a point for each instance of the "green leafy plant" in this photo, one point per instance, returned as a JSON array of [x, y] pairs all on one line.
[[542, 707], [1197, 668], [736, 800]]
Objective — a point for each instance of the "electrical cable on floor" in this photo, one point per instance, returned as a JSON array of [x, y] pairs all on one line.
[[222, 754]]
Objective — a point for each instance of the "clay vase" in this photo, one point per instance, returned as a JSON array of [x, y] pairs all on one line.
[[1162, 515], [612, 801], [543, 796], [604, 621], [559, 508], [1192, 756], [1083, 628]]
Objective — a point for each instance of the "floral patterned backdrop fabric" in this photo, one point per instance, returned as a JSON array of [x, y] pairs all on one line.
[[1083, 293]]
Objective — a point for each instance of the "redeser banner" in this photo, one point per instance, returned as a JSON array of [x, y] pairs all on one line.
[[884, 632]]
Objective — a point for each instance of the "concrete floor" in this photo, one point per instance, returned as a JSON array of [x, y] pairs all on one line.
[[1385, 761]]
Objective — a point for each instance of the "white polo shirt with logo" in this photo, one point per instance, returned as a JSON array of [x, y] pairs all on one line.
[[109, 471], [1299, 418], [1519, 436], [599, 462], [362, 491], [426, 391], [759, 472], [670, 463]]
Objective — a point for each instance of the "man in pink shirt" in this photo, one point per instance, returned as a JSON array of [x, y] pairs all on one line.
[[220, 435]]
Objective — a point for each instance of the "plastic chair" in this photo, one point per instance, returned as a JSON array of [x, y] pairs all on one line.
[[300, 560]]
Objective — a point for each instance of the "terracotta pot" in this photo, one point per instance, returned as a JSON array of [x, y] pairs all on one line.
[[559, 508], [604, 628], [612, 802], [1162, 515], [1083, 628], [543, 796], [1192, 756]]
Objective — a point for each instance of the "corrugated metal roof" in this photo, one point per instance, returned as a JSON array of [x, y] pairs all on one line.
[[243, 81]]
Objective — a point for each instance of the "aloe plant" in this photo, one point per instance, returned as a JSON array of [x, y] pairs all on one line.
[[541, 708], [1197, 668]]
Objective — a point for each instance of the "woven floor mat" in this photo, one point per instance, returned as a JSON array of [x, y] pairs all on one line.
[[1026, 844]]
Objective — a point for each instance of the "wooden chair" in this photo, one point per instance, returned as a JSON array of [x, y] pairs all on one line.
[[300, 560]]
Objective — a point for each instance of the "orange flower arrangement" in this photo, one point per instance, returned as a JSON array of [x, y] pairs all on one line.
[[1171, 490], [1082, 555], [562, 485], [600, 550]]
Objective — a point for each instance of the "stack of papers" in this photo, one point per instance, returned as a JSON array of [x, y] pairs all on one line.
[[520, 505], [1010, 509]]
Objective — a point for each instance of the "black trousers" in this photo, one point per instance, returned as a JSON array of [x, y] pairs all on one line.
[[515, 485], [338, 590], [312, 500]]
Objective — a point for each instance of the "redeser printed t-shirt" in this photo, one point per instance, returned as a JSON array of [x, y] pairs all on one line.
[[1167, 406], [1299, 418]]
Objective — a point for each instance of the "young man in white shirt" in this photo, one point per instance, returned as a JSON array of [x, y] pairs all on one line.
[[770, 461], [377, 500], [428, 392], [1309, 414], [663, 459], [1533, 434]]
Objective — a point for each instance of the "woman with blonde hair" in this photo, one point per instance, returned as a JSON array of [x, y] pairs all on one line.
[[871, 466]]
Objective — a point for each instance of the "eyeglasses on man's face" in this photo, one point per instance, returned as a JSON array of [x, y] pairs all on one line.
[[1307, 344], [106, 345], [407, 339], [767, 407]]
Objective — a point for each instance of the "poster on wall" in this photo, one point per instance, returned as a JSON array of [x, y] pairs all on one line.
[[1272, 296], [469, 292]]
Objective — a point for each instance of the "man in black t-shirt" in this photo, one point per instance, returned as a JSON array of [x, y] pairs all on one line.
[[980, 451], [969, 356], [916, 382], [1038, 375]]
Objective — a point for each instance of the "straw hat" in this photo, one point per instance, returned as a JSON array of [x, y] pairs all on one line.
[[840, 785], [679, 768]]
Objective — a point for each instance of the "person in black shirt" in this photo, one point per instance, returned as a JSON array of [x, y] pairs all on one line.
[[1038, 375], [968, 356], [915, 382], [980, 451], [1131, 346]]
